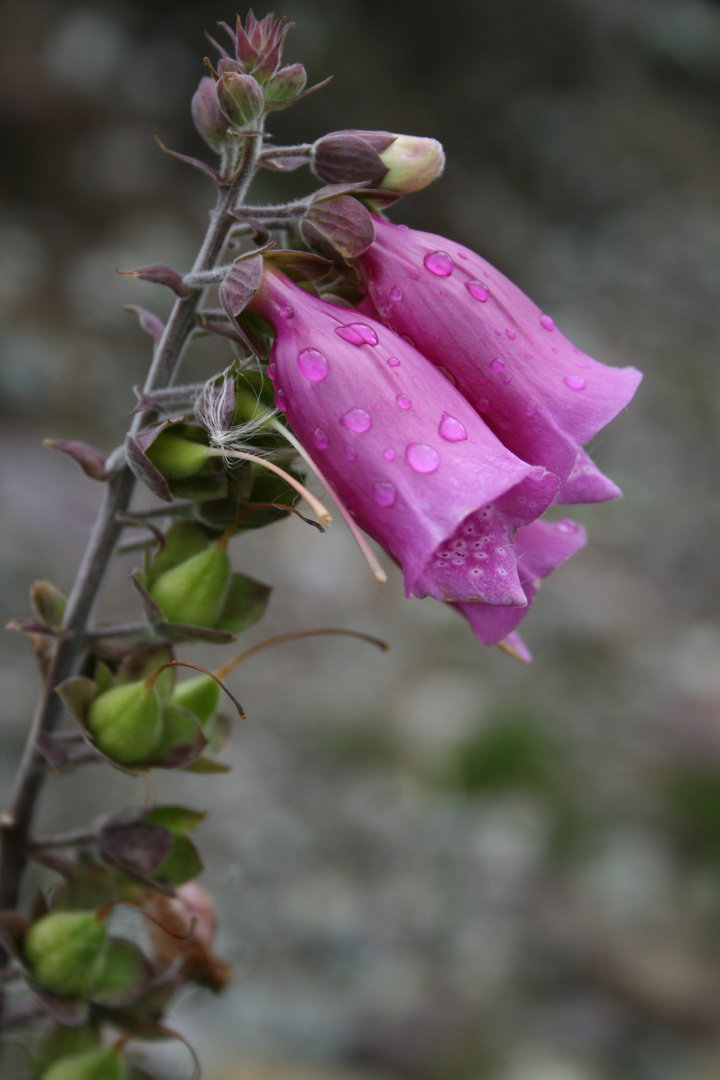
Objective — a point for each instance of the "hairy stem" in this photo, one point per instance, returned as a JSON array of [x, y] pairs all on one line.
[[16, 822]]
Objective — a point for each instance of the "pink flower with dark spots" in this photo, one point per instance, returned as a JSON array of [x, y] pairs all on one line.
[[540, 548], [413, 462], [540, 395]]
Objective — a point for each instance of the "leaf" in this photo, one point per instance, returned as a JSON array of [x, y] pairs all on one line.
[[182, 864], [90, 460], [177, 820], [77, 695], [140, 848], [92, 888], [207, 766], [49, 603], [183, 739], [145, 471], [125, 977], [246, 602]]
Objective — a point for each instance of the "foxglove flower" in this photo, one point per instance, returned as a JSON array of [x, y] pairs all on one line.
[[413, 462], [540, 395]]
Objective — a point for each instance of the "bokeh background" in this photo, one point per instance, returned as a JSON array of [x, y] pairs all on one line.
[[433, 863]]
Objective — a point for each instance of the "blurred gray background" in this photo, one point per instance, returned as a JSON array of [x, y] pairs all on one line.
[[433, 863]]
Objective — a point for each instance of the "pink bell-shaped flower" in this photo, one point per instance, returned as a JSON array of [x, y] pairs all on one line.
[[411, 459], [539, 394]]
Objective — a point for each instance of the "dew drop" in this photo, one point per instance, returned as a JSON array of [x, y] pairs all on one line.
[[575, 382], [320, 439], [582, 364], [357, 420], [530, 409], [280, 401], [439, 263], [451, 429], [396, 293], [483, 404], [389, 455], [477, 290], [567, 526], [528, 355], [414, 275], [384, 494], [286, 312], [403, 401], [393, 362], [497, 365], [555, 350], [507, 380], [422, 458], [350, 453], [547, 322], [272, 371], [313, 365], [462, 255], [511, 334], [357, 334]]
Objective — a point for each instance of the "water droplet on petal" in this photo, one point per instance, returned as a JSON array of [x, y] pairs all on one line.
[[357, 334], [350, 453], [393, 362], [477, 290], [403, 401], [313, 365], [547, 322], [462, 254], [483, 403], [280, 401], [497, 365], [422, 458], [511, 334], [575, 382], [357, 420], [451, 429], [555, 350], [439, 263], [530, 409], [389, 455], [567, 526], [384, 494], [528, 355], [507, 379], [286, 312], [582, 364], [320, 439], [396, 293], [366, 332], [272, 371]]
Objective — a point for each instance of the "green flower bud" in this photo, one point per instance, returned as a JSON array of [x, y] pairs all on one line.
[[412, 163], [174, 456], [104, 1064], [65, 952], [241, 99], [200, 695], [126, 723], [194, 592], [284, 85]]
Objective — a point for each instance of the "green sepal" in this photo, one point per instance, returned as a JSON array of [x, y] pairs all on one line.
[[124, 976], [178, 820], [182, 740], [245, 603], [49, 603], [98, 1064], [61, 1042], [182, 864], [92, 888], [142, 662], [201, 695]]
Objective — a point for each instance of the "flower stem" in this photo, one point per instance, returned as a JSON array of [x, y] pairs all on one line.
[[16, 821]]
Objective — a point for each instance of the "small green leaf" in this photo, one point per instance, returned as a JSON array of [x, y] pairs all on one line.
[[124, 974], [178, 820], [245, 603], [182, 864], [183, 739]]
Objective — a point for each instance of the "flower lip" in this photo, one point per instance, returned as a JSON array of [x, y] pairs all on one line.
[[414, 499]]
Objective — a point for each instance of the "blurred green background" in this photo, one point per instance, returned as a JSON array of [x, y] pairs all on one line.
[[432, 863]]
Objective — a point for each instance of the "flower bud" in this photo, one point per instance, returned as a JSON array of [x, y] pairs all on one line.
[[103, 1064], [126, 723], [241, 99], [412, 163], [176, 457], [65, 952], [194, 592], [284, 85], [200, 695], [207, 115], [351, 157]]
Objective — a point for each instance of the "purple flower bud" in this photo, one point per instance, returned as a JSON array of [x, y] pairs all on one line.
[[411, 459], [349, 157], [540, 394], [240, 99], [207, 115]]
